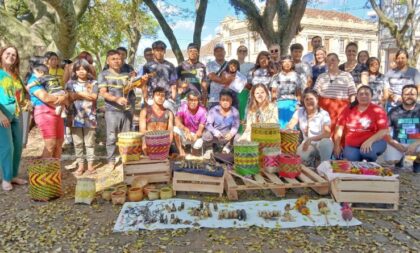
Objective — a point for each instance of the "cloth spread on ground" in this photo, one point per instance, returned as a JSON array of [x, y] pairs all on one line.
[[138, 215]]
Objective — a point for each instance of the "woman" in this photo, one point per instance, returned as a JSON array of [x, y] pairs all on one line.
[[397, 78], [376, 80], [362, 57], [12, 95], [49, 123], [262, 71], [365, 125], [286, 88], [83, 92], [320, 64], [336, 89], [314, 123], [352, 66], [53, 63], [260, 110], [68, 69]]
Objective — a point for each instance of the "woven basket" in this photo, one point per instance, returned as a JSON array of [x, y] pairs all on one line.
[[265, 133], [45, 179], [289, 141], [129, 144], [85, 191], [158, 144], [246, 158], [289, 165], [271, 159]]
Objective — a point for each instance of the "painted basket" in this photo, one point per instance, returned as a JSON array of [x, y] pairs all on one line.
[[271, 157], [45, 179], [265, 133], [289, 141], [290, 165], [129, 145], [158, 144], [246, 158]]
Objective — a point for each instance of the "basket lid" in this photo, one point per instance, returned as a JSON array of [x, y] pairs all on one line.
[[130, 135]]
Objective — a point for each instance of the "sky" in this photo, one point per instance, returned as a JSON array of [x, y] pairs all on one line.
[[217, 10]]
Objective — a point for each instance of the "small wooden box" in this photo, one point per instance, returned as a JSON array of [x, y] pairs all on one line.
[[155, 171], [189, 182], [367, 191]]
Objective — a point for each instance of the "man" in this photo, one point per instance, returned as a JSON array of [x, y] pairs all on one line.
[[148, 56], [242, 53], [405, 123], [118, 112], [190, 122], [309, 58], [214, 70], [163, 75], [125, 68], [302, 68], [222, 124], [156, 116], [191, 73]]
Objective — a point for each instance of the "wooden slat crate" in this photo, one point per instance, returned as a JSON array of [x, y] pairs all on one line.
[[367, 192], [197, 183], [155, 171], [278, 185]]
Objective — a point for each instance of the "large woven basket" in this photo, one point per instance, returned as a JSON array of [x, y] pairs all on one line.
[[267, 135], [45, 179], [246, 158], [289, 141], [158, 144], [129, 144], [290, 165]]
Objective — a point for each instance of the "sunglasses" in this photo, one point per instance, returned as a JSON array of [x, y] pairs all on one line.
[[274, 50]]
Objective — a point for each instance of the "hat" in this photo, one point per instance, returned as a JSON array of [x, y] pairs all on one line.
[[192, 46], [219, 45], [159, 43]]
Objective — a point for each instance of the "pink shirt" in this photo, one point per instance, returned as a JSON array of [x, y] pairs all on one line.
[[192, 121]]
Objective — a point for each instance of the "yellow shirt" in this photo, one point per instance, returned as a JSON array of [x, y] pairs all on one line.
[[59, 73]]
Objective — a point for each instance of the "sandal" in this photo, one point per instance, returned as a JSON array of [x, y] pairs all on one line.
[[90, 172], [78, 172], [19, 181]]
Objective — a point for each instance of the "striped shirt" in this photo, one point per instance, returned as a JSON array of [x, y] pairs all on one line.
[[115, 82], [339, 87]]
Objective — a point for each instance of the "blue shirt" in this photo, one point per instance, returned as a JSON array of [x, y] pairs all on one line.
[[34, 99], [218, 124]]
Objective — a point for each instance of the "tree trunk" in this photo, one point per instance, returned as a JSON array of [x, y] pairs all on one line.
[[134, 40], [200, 16], [98, 62]]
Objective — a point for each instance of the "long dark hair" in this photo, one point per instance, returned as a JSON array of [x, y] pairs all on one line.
[[370, 60], [355, 102], [84, 64], [234, 62], [33, 61], [257, 63]]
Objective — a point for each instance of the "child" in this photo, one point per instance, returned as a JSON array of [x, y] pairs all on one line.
[[50, 83]]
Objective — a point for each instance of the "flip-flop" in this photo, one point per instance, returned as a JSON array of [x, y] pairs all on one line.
[[90, 172], [19, 181], [78, 173]]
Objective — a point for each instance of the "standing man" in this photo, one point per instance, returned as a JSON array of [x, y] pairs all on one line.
[[302, 68], [118, 112], [191, 73], [163, 75], [309, 58], [214, 70], [405, 123], [148, 56]]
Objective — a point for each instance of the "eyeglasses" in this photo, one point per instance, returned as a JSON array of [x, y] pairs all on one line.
[[274, 50]]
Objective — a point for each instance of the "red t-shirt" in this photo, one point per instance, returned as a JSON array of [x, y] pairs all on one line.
[[360, 126]]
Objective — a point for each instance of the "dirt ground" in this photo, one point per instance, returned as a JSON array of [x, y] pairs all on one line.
[[62, 226]]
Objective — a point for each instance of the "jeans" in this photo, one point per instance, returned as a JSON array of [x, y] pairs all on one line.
[[323, 147], [116, 122], [354, 153]]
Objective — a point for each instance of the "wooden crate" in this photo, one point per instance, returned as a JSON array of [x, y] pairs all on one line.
[[367, 191], [189, 182], [278, 185], [156, 171]]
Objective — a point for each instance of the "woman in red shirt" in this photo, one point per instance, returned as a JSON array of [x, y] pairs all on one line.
[[365, 125]]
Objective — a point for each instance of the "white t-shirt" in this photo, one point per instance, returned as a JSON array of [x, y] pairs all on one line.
[[315, 125]]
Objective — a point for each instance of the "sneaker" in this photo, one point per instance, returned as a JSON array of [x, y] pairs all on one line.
[[207, 155], [400, 164], [416, 167]]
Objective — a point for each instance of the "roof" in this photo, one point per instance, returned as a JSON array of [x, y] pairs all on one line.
[[325, 14]]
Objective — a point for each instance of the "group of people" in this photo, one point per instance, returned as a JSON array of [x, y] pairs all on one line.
[[342, 111]]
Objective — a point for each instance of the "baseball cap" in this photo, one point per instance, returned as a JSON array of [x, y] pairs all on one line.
[[219, 45], [192, 46], [159, 43]]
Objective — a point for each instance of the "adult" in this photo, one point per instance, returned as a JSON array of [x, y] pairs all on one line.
[[315, 125], [398, 77], [244, 68], [286, 88], [148, 56], [190, 121], [222, 123], [125, 67], [320, 65], [362, 57], [376, 80], [302, 68], [191, 73], [336, 89], [118, 109], [163, 74], [83, 92], [214, 70], [12, 94], [365, 126], [351, 65], [260, 110], [156, 116], [53, 63], [405, 123], [68, 69], [262, 71], [309, 58], [275, 56]]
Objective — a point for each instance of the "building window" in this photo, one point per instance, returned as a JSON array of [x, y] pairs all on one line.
[[229, 48], [341, 46], [369, 46], [310, 49], [327, 44]]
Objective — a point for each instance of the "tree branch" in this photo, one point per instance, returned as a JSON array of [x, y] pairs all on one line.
[[383, 19], [167, 30], [200, 16], [409, 18], [80, 6]]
